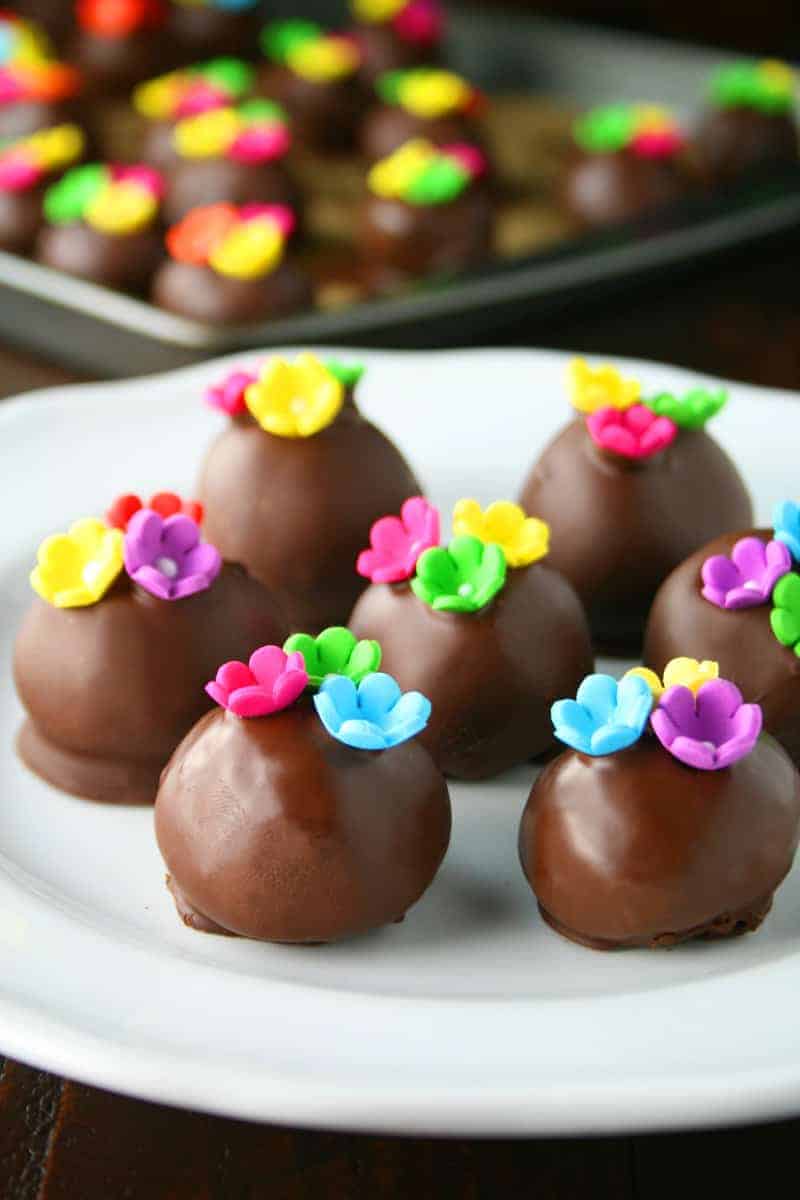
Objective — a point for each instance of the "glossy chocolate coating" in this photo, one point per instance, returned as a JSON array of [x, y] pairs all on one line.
[[389, 126], [322, 116], [193, 182], [682, 622], [272, 829], [20, 218], [412, 239], [739, 141], [636, 849], [491, 676], [113, 65], [297, 511], [382, 50], [111, 689], [604, 189], [157, 147], [204, 295], [619, 527], [122, 261], [202, 31]]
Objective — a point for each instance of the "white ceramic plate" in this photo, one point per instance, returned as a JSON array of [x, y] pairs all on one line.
[[471, 1017]]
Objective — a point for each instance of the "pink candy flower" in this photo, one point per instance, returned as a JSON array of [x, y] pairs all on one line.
[[420, 22], [201, 97], [469, 157], [228, 394], [270, 682], [634, 432], [657, 143], [18, 172], [747, 578], [260, 143], [397, 542], [280, 215], [146, 177]]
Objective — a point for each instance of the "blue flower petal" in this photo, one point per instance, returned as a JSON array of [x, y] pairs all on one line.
[[634, 702], [610, 738], [598, 695], [572, 724], [377, 695], [409, 717], [786, 523], [362, 735], [607, 716], [374, 716], [342, 694]]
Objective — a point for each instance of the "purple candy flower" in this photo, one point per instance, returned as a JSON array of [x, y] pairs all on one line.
[[708, 731], [748, 576], [166, 557]]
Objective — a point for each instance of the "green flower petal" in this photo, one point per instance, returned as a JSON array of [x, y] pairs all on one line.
[[691, 411], [462, 578], [439, 182], [389, 84], [605, 130], [282, 37], [785, 626], [364, 660], [348, 374], [66, 201], [786, 593], [335, 652], [437, 570], [231, 74]]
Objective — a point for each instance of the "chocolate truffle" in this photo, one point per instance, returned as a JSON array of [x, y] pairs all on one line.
[[312, 75], [426, 211], [293, 483], [26, 168], [629, 488], [111, 664], [749, 126], [227, 266], [425, 102], [486, 630], [281, 824], [635, 838], [101, 225], [734, 601], [627, 161], [119, 42], [213, 26], [396, 34], [162, 102]]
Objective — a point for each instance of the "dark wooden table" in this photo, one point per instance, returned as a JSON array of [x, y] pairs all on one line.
[[64, 1141]]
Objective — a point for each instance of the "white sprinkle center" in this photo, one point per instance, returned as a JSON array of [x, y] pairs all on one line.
[[167, 566], [466, 589]]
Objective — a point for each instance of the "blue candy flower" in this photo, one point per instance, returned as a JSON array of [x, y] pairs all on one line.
[[606, 715], [373, 716], [786, 523]]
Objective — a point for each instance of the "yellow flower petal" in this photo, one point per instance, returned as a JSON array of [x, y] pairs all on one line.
[[376, 10], [591, 388], [391, 176], [324, 60], [156, 98], [76, 568], [295, 399], [251, 249], [777, 73], [122, 208], [56, 147], [522, 539], [650, 678], [689, 673], [207, 135], [430, 94]]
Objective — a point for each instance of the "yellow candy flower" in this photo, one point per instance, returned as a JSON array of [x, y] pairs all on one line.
[[56, 147], [679, 672], [391, 176], [207, 135], [324, 59], [376, 11], [591, 388], [251, 249], [75, 569], [431, 94], [777, 73], [156, 99], [122, 208], [295, 399], [522, 539]]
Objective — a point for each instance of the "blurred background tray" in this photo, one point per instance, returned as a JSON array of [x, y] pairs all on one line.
[[538, 72]]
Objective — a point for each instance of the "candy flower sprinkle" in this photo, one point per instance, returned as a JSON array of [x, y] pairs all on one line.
[[605, 716], [115, 200], [295, 399], [397, 542], [635, 433], [767, 86], [417, 22], [306, 50], [254, 132], [26, 162], [592, 388], [463, 577], [270, 682], [244, 242], [710, 730], [646, 130], [522, 539], [375, 715], [786, 525], [335, 652], [194, 90], [691, 411], [76, 569], [748, 577], [785, 615], [679, 672], [428, 92], [166, 504], [420, 173], [166, 557]]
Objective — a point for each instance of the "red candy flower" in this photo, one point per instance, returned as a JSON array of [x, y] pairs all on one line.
[[166, 504]]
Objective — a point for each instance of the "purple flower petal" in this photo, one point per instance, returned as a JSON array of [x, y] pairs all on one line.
[[709, 731], [187, 585], [204, 559], [179, 535], [142, 539], [748, 577], [153, 581]]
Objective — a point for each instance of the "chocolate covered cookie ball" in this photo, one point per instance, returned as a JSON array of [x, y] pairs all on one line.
[[27, 166], [749, 126], [424, 102], [395, 34], [36, 91]]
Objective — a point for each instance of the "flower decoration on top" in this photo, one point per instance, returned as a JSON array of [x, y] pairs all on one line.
[[166, 504], [228, 394], [605, 716], [75, 569], [396, 543], [194, 90], [21, 42], [710, 729], [268, 683], [523, 539], [418, 22], [785, 615], [253, 132], [166, 557], [748, 577], [593, 388], [245, 242], [120, 18], [422, 174], [25, 163], [645, 130], [462, 577], [429, 92], [306, 50], [679, 672], [635, 433], [766, 86], [295, 399], [374, 715], [335, 652], [786, 526], [46, 82], [691, 411], [115, 200]]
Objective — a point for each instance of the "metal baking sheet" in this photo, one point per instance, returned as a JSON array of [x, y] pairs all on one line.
[[106, 332]]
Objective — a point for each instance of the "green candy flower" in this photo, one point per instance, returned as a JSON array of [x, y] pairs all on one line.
[[767, 87], [232, 75], [335, 652], [604, 130], [348, 374], [691, 411], [462, 577], [66, 201], [439, 182], [785, 615], [282, 37]]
